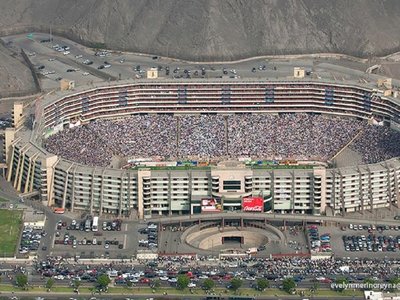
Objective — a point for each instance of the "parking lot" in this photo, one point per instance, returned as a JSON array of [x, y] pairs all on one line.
[[364, 240], [111, 239], [148, 237], [62, 58], [30, 240]]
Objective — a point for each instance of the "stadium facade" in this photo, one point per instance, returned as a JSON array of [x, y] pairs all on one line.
[[310, 188]]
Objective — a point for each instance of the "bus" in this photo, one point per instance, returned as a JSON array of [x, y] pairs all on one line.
[[59, 210], [95, 224]]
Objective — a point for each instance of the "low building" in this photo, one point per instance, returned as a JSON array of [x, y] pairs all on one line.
[[372, 295], [152, 73], [146, 255], [34, 219], [299, 72]]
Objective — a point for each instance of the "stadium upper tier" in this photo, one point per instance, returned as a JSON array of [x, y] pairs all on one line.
[[220, 97]]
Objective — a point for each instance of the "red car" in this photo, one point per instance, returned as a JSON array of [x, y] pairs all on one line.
[[144, 280]]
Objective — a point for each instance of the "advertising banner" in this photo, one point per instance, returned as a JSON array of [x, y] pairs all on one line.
[[253, 204], [210, 205]]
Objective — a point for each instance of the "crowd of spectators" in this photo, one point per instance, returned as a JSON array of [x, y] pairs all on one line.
[[377, 143], [211, 136], [298, 136], [202, 135]]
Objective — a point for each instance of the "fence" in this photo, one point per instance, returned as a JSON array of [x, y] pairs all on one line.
[[32, 68]]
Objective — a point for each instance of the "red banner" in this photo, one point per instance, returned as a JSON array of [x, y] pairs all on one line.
[[255, 204]]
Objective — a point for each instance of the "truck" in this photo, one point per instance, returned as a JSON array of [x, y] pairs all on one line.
[[95, 224], [252, 250]]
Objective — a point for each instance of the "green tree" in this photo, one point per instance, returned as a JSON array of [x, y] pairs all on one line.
[[208, 284], [76, 284], [236, 283], [368, 280], [394, 282], [182, 281], [288, 285], [262, 284], [22, 280], [155, 284], [341, 281], [315, 286], [50, 283], [103, 281]]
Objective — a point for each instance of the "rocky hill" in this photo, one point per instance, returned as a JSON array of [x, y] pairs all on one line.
[[215, 29]]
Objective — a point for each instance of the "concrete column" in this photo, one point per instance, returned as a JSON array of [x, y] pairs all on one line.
[[10, 165], [121, 188], [73, 190], [26, 187], [20, 173], [396, 189], [101, 193], [360, 190], [91, 191], [370, 190], [33, 161], [66, 190], [17, 170]]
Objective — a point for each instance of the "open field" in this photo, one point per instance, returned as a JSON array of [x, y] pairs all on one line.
[[10, 226]]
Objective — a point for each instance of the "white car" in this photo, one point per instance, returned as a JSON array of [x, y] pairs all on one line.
[[86, 74], [250, 278], [173, 280], [78, 56], [164, 278], [191, 285], [94, 242], [66, 52]]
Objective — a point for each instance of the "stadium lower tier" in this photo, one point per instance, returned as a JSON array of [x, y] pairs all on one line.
[[180, 190]]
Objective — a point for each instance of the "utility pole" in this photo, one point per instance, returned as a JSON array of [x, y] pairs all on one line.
[[51, 39]]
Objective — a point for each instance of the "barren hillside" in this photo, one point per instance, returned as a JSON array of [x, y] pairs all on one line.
[[215, 29], [15, 77]]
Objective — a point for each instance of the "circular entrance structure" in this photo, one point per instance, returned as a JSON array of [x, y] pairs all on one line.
[[214, 237]]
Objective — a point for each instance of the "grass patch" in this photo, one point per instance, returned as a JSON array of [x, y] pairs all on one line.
[[10, 227], [121, 290]]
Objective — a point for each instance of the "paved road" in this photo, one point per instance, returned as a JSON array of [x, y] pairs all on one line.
[[152, 296]]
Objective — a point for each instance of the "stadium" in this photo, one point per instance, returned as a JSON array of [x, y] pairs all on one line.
[[184, 147]]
